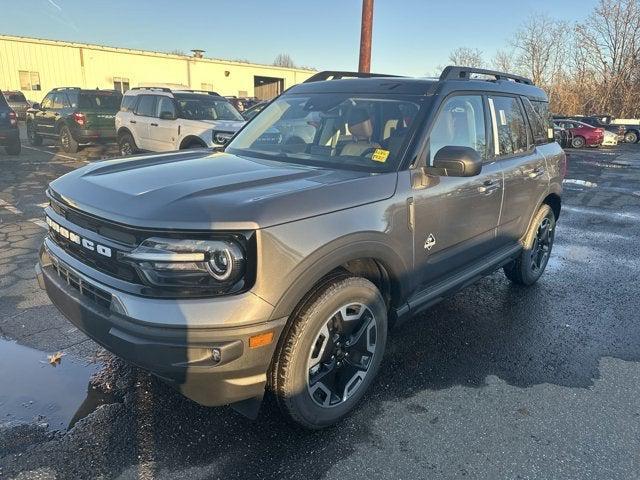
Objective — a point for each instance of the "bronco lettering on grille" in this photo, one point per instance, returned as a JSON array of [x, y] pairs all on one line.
[[78, 240]]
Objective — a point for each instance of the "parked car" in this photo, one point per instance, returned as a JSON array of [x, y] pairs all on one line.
[[282, 265], [17, 102], [254, 110], [619, 130], [631, 132], [9, 133], [74, 117], [584, 135], [160, 119]]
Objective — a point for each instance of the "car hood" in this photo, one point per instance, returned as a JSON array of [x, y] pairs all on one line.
[[206, 191], [223, 125]]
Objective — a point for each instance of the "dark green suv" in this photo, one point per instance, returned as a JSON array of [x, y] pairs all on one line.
[[74, 117]]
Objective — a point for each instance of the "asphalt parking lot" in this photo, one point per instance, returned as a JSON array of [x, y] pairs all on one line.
[[496, 382]]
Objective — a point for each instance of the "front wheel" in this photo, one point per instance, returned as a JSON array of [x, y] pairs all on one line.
[[331, 353], [631, 137], [127, 145], [34, 139], [529, 266]]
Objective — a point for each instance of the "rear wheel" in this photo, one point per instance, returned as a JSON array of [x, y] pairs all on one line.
[[32, 136], [529, 266], [631, 136], [331, 352], [67, 142], [578, 142], [127, 145], [14, 148]]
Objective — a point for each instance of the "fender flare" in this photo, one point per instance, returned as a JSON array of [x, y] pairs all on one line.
[[191, 139], [328, 258], [122, 131]]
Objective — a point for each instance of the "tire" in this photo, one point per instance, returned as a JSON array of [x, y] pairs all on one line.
[[322, 340], [34, 139], [67, 142], [631, 136], [127, 145], [578, 142], [14, 148], [530, 265], [193, 144]]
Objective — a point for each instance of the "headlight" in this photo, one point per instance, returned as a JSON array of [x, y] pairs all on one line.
[[199, 264]]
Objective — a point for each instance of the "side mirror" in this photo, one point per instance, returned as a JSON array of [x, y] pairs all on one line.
[[458, 161], [167, 116], [35, 106]]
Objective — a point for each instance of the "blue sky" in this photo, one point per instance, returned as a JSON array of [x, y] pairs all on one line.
[[410, 37]]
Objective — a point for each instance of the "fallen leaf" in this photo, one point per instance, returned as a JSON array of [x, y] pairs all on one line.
[[55, 358]]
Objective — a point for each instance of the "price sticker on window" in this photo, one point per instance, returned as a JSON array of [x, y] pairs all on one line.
[[380, 155]]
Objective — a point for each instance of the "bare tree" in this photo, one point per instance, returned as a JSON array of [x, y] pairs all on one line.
[[504, 61], [284, 60], [467, 57]]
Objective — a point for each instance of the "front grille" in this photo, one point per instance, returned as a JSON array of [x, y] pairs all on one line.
[[90, 291]]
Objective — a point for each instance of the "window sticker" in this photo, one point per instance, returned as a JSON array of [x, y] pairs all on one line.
[[503, 118], [380, 155]]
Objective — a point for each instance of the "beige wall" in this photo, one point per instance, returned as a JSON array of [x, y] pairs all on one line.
[[89, 66]]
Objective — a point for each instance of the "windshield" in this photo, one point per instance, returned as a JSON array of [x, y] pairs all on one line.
[[361, 132], [99, 101], [205, 107]]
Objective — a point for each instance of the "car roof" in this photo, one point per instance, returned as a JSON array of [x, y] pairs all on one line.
[[452, 79]]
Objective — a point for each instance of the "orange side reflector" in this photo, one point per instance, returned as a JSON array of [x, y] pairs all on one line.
[[260, 340]]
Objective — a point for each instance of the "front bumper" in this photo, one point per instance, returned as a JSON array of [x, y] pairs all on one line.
[[181, 353]]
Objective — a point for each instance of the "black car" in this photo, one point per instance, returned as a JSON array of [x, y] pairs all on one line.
[[9, 133], [17, 102], [74, 117]]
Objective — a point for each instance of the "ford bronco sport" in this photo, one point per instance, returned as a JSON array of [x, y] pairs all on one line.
[[158, 119], [280, 263], [74, 117]]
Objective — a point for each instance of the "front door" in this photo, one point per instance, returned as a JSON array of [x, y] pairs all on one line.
[[456, 217], [140, 123], [163, 133]]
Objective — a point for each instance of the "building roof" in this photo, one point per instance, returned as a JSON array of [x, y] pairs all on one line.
[[89, 46]]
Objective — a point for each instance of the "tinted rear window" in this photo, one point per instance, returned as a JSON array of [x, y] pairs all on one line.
[[540, 120], [100, 101], [16, 97]]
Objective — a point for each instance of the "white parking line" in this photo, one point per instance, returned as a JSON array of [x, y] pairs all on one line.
[[9, 207], [602, 213], [38, 222], [55, 154]]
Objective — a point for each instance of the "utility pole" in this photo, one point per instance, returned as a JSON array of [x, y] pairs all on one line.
[[365, 36]]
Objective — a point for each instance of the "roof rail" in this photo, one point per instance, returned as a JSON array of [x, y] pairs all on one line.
[[208, 92], [57, 89], [464, 73], [337, 75], [160, 89]]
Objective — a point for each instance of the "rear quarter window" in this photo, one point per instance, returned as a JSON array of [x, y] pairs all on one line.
[[128, 103], [540, 120]]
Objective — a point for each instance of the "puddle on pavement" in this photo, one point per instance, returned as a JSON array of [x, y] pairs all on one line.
[[32, 390]]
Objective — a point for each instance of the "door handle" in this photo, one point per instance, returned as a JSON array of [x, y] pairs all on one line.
[[536, 172], [154, 124], [132, 121]]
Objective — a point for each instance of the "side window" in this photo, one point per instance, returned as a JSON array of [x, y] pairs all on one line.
[[539, 121], [512, 129], [146, 106], [47, 102], [460, 123], [128, 103], [165, 105], [60, 101]]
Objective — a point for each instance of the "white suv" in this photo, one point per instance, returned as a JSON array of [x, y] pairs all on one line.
[[158, 119]]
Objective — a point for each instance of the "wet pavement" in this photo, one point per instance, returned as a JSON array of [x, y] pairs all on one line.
[[496, 382]]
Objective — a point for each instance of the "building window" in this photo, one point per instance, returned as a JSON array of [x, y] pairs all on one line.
[[120, 84], [29, 80], [207, 87]]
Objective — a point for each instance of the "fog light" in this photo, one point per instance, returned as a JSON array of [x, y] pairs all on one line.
[[216, 355]]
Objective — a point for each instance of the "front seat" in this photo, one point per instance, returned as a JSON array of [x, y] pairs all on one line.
[[361, 130]]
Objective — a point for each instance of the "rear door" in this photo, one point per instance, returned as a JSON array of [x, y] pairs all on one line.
[[140, 124], [525, 177], [456, 217], [43, 118]]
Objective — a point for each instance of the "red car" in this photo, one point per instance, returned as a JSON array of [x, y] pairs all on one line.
[[583, 134]]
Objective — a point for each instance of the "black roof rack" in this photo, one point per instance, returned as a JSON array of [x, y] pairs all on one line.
[[464, 73], [161, 89], [208, 92], [57, 89], [337, 75]]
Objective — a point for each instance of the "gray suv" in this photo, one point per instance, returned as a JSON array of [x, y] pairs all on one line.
[[350, 203]]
